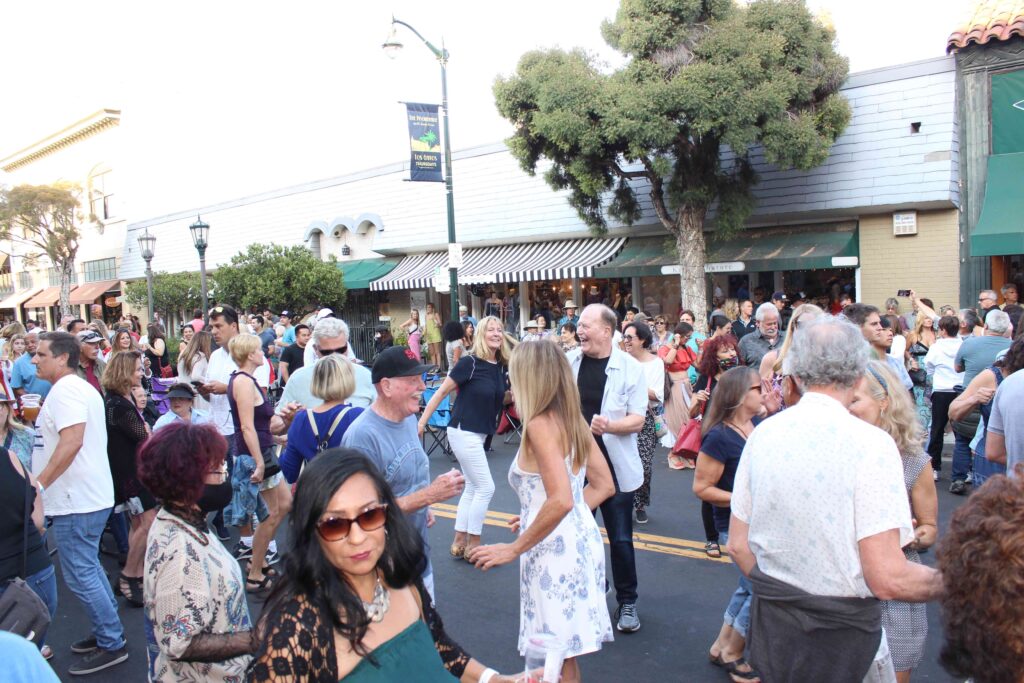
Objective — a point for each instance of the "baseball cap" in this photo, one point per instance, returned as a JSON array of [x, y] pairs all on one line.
[[397, 361], [780, 296], [89, 337], [285, 314], [181, 390]]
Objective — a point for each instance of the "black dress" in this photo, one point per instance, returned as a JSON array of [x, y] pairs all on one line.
[[126, 431]]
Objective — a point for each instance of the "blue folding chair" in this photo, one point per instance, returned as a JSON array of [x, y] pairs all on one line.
[[437, 425]]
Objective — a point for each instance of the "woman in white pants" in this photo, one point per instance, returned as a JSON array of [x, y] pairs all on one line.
[[482, 381]]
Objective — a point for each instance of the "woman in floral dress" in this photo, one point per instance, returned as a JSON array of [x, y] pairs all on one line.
[[560, 476]]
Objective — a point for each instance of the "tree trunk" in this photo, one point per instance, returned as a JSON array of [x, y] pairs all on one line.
[[689, 233], [67, 278]]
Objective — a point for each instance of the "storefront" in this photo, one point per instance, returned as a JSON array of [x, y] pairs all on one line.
[[365, 310], [43, 307], [104, 293], [999, 233]]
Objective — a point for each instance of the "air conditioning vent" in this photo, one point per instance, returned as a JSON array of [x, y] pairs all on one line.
[[904, 223]]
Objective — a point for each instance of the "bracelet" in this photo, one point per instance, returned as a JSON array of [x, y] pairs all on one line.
[[487, 675]]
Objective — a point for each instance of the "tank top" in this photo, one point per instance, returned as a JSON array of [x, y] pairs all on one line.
[[12, 524], [260, 418], [409, 656]]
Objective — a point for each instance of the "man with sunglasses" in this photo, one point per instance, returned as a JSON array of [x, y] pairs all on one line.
[[387, 433]]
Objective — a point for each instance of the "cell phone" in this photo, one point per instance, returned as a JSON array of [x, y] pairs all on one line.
[[196, 383], [903, 292]]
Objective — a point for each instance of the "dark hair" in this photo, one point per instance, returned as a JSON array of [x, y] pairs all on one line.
[[173, 462], [718, 322], [1014, 311], [950, 325], [260, 320], [300, 327], [729, 393], [894, 322], [633, 309], [1014, 358], [466, 324], [687, 311], [708, 363], [982, 610], [683, 329], [569, 325], [62, 343], [859, 313], [71, 324], [453, 331], [970, 318], [229, 314], [197, 314], [643, 333], [307, 571], [885, 322], [154, 331], [928, 302]]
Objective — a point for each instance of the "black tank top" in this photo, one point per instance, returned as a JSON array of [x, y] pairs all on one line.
[[12, 524]]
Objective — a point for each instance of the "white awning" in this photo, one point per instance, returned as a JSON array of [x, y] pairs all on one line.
[[507, 263]]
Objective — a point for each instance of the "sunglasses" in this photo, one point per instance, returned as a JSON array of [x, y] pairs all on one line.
[[628, 337], [337, 528], [326, 352]]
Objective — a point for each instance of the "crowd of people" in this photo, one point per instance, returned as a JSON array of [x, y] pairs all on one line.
[[825, 530]]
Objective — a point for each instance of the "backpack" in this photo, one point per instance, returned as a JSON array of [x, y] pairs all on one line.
[[321, 444]]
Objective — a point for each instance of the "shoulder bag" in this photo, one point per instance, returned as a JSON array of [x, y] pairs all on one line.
[[321, 444], [22, 611], [688, 443]]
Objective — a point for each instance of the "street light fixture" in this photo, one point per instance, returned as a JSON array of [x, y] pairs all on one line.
[[147, 245], [201, 238], [392, 46]]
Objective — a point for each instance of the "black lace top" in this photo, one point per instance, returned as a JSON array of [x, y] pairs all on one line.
[[298, 644]]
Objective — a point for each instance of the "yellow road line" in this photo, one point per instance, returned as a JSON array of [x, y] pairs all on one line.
[[667, 545]]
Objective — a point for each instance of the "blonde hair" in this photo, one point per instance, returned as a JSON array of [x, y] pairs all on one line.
[[333, 379], [119, 375], [480, 349], [542, 382], [9, 331], [731, 308], [899, 420], [798, 312], [914, 335], [242, 346]]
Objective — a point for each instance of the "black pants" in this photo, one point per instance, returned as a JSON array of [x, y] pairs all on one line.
[[707, 516], [940, 418]]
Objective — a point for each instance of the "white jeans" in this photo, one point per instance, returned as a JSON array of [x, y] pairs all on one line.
[[469, 449], [881, 669]]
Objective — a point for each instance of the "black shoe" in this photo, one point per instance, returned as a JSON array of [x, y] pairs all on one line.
[[222, 532], [958, 487], [98, 660], [84, 646], [641, 516], [242, 551]]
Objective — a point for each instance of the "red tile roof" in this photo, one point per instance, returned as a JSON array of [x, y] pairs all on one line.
[[989, 20]]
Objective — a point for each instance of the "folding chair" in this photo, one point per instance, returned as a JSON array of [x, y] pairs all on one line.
[[510, 425], [437, 425]]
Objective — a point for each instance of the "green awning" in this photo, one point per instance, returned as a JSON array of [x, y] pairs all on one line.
[[359, 274], [1000, 228], [754, 250]]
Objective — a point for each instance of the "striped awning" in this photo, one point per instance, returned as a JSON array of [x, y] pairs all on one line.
[[507, 263]]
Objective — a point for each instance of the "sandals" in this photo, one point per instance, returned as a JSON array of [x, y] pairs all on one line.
[[457, 551], [130, 589], [713, 550], [676, 462], [254, 586], [733, 668], [465, 555]]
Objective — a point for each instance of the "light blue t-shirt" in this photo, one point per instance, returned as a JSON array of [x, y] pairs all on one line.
[[977, 354], [199, 417], [23, 376], [22, 661], [289, 335], [298, 388], [1007, 418], [395, 448]]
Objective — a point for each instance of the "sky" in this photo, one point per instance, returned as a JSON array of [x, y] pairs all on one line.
[[226, 99]]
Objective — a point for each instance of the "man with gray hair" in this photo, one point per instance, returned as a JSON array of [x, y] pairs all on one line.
[[820, 531], [768, 336]]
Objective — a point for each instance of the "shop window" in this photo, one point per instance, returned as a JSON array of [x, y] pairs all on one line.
[[53, 277], [24, 280], [101, 194], [1008, 112], [101, 269]]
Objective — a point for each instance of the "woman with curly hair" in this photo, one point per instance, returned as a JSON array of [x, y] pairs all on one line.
[[982, 605], [881, 400]]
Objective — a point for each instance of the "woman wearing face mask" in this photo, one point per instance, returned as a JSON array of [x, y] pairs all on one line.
[[637, 339], [196, 616]]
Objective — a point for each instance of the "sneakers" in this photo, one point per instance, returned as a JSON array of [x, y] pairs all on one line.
[[958, 487], [84, 646], [970, 478], [222, 532], [98, 660], [272, 556], [935, 475], [627, 620], [641, 516], [242, 551]]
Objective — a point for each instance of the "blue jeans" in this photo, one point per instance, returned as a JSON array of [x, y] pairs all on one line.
[[961, 457], [78, 542], [119, 529], [737, 614], [44, 584], [617, 515]]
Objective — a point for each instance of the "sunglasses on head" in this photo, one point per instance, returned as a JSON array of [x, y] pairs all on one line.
[[337, 528]]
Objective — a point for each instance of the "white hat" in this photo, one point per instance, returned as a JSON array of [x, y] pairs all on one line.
[[570, 304], [529, 324], [323, 313], [463, 308]]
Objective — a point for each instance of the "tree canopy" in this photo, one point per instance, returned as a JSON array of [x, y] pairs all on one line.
[[44, 220], [172, 293], [280, 278], [703, 77]]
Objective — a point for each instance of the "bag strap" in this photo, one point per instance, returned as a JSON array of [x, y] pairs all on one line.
[[27, 521], [330, 432]]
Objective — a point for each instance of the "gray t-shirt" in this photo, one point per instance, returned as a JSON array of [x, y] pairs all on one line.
[[977, 354], [1008, 418], [396, 450]]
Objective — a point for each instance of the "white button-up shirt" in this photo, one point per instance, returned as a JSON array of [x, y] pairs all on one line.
[[814, 481], [625, 393]]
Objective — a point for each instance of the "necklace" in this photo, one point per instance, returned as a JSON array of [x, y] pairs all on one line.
[[746, 434], [381, 603], [198, 536]]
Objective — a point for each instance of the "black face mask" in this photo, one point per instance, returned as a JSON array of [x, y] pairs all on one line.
[[215, 497]]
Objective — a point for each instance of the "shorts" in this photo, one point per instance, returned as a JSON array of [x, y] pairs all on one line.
[[270, 482]]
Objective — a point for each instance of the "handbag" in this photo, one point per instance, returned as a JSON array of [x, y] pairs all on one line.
[[22, 611], [688, 442], [271, 465], [968, 426]]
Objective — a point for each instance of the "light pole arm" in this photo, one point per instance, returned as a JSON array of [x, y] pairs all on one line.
[[441, 54]]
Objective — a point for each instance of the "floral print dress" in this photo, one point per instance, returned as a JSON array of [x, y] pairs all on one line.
[[561, 579]]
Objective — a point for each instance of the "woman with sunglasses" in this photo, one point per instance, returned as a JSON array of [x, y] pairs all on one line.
[[349, 605], [196, 617], [662, 334], [730, 418]]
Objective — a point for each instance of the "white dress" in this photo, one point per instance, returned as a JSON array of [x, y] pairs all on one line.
[[561, 579]]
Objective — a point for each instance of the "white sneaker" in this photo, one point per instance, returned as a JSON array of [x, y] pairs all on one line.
[[970, 477], [935, 475]]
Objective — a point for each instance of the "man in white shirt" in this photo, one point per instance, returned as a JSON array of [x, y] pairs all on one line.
[[74, 479], [613, 396], [819, 519]]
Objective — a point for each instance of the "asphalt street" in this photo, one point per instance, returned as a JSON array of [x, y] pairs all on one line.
[[682, 594]]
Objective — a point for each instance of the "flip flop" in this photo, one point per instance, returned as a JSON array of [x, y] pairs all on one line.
[[676, 462], [740, 676]]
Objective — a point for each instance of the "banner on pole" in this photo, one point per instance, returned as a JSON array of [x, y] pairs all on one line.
[[424, 142]]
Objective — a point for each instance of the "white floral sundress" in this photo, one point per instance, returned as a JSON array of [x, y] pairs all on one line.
[[561, 579]]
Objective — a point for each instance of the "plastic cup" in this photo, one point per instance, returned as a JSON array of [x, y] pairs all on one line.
[[545, 655], [30, 406]]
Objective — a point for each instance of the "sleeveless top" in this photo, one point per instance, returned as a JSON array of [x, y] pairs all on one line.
[[260, 419], [12, 524], [409, 656]]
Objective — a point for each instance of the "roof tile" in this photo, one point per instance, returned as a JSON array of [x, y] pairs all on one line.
[[989, 20]]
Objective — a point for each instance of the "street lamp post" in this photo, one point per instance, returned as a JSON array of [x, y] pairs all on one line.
[[391, 47], [147, 245], [201, 238]]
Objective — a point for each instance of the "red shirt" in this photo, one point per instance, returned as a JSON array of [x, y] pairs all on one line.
[[685, 357]]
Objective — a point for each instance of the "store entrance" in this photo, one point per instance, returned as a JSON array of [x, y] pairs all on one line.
[[821, 287]]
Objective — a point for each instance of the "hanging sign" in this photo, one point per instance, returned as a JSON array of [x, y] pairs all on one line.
[[725, 267], [424, 143], [442, 280]]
